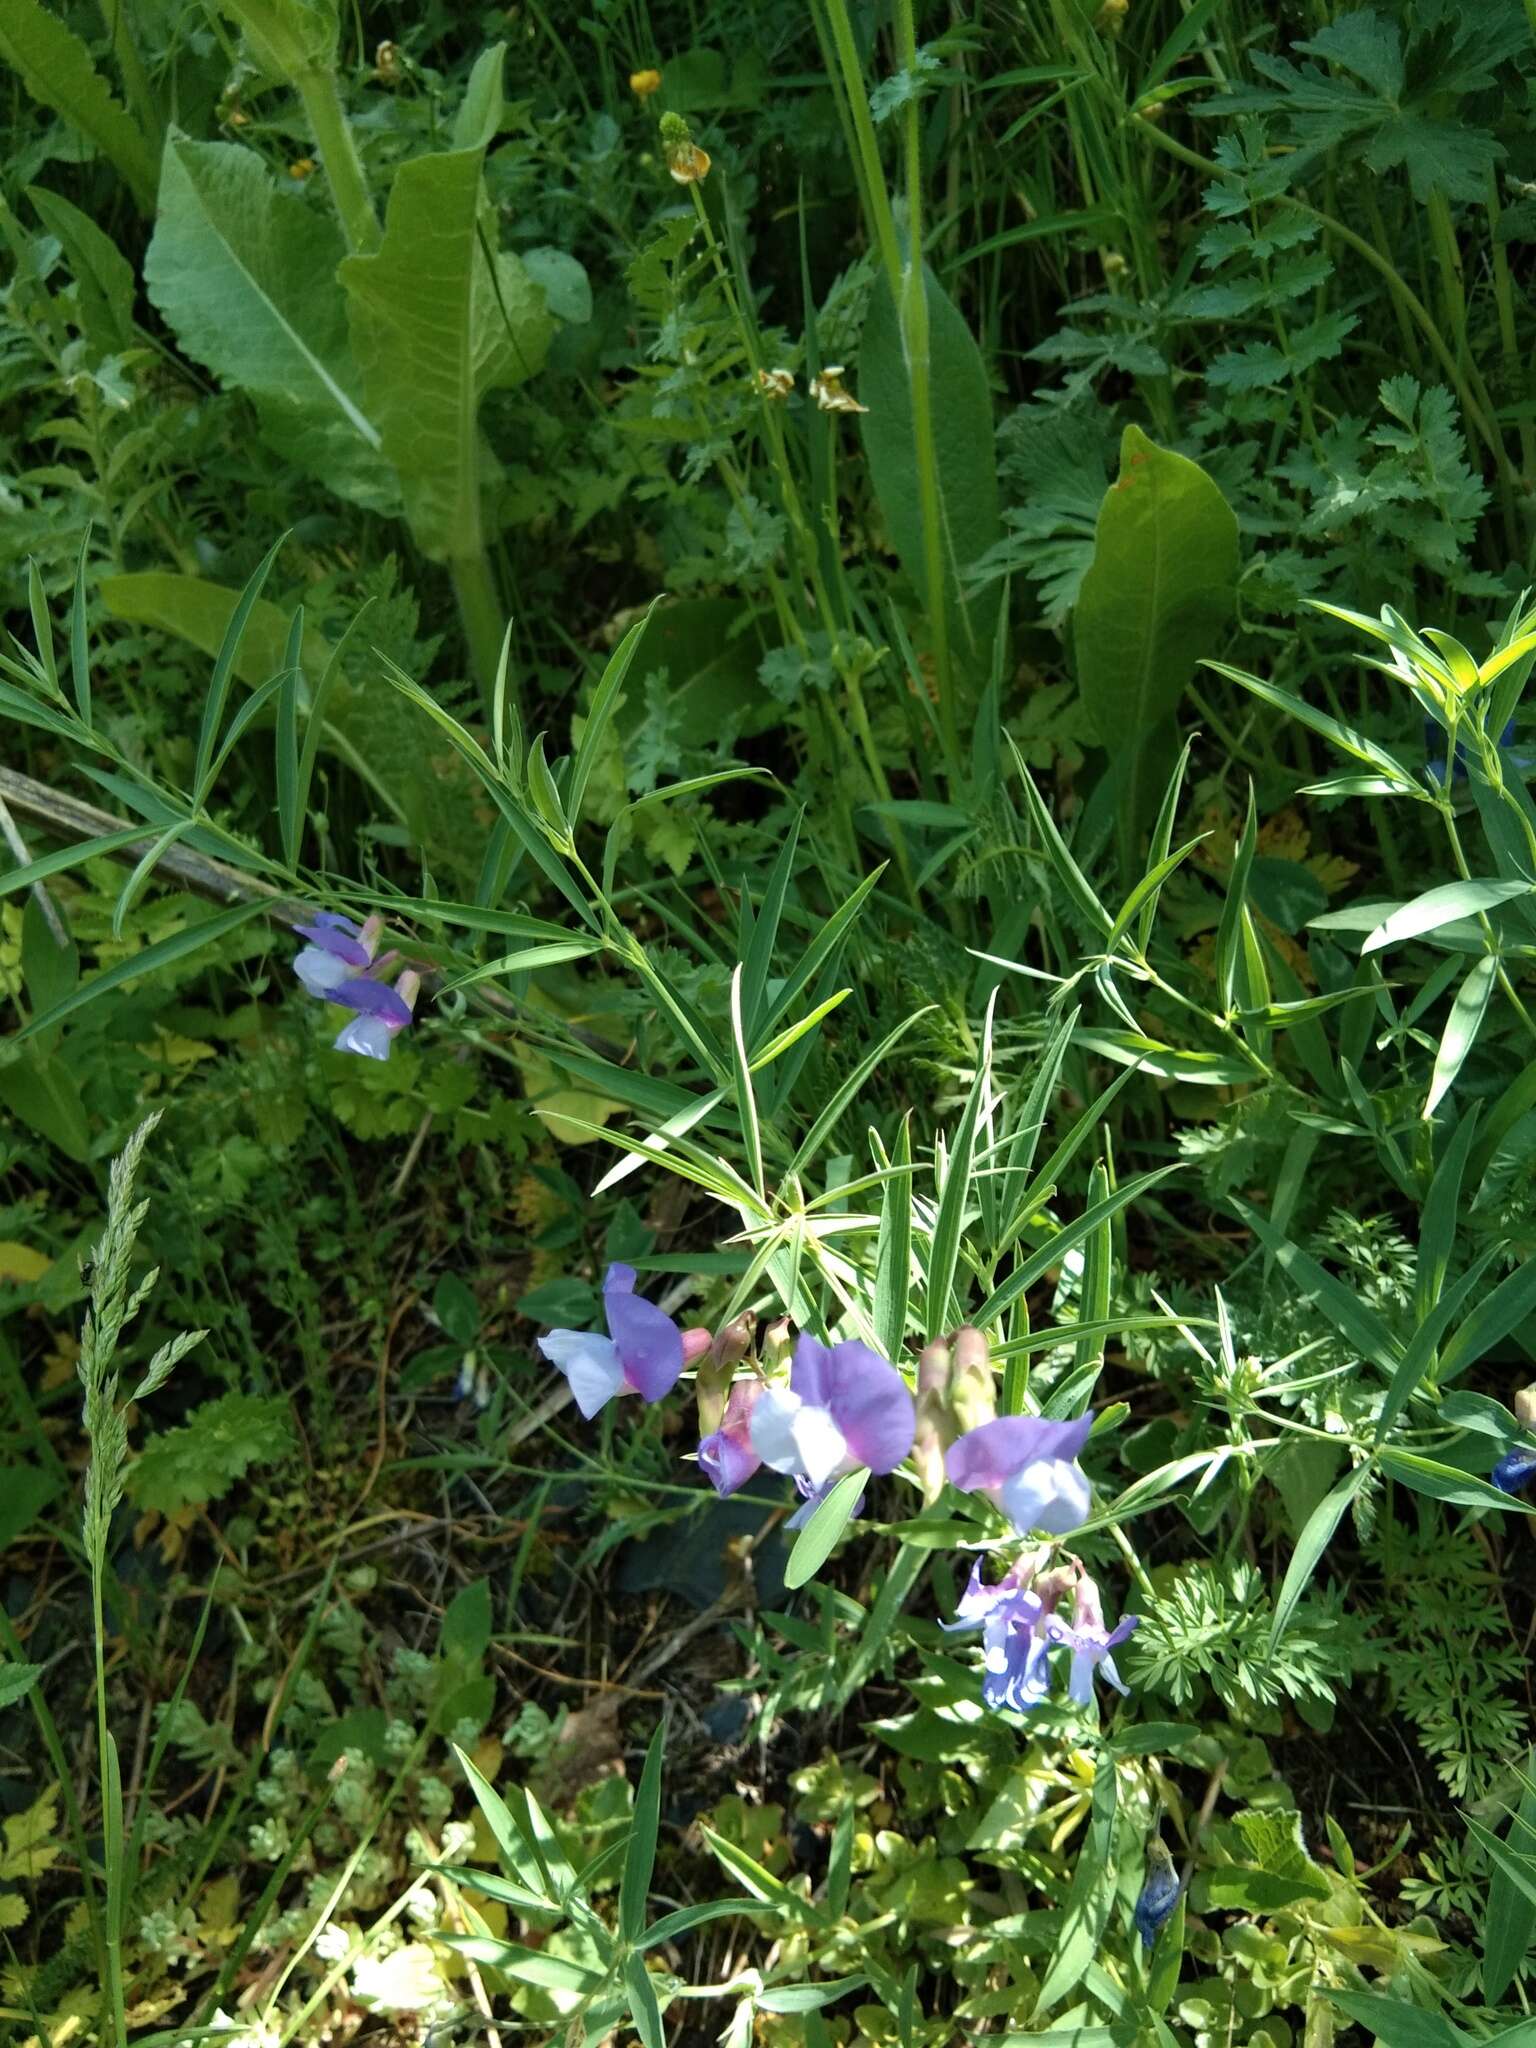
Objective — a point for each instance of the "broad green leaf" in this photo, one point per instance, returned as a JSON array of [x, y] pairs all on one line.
[[1155, 599], [1442, 906], [964, 455], [199, 612], [246, 279], [434, 328], [16, 1681], [56, 68], [817, 1540], [40, 1089]]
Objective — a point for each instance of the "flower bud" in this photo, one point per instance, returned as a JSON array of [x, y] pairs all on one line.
[[935, 1427], [973, 1386], [643, 83], [688, 164], [1159, 1893], [725, 1350], [1525, 1406], [776, 1348]]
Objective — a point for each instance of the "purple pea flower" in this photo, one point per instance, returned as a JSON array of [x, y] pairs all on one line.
[[1092, 1645], [1014, 1646], [1029, 1468], [1515, 1470], [843, 1408], [642, 1354], [726, 1456], [338, 949], [382, 1013]]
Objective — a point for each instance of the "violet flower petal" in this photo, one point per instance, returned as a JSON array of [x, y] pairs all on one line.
[[649, 1343], [371, 1037], [728, 1457], [321, 971], [985, 1459], [590, 1362], [332, 933], [871, 1406], [373, 999], [619, 1279]]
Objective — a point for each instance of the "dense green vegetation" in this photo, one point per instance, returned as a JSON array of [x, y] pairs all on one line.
[[841, 688]]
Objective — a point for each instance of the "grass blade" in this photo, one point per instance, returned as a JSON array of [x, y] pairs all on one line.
[[223, 667]]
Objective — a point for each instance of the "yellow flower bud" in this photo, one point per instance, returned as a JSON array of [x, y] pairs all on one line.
[[643, 83], [301, 168]]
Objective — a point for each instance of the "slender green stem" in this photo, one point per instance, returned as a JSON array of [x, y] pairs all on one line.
[[908, 287], [339, 160], [480, 609], [110, 1845]]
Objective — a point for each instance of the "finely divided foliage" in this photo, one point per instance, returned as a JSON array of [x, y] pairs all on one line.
[[767, 1099]]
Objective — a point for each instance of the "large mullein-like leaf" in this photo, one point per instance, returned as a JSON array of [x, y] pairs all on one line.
[[435, 326], [1157, 597], [964, 455], [245, 273]]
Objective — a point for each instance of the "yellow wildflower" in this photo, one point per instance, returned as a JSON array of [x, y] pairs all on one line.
[[643, 83]]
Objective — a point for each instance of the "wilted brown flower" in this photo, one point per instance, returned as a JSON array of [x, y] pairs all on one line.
[[827, 390]]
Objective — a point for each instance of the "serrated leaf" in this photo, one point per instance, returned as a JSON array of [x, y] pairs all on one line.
[[217, 1445], [246, 277], [435, 326], [56, 68]]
